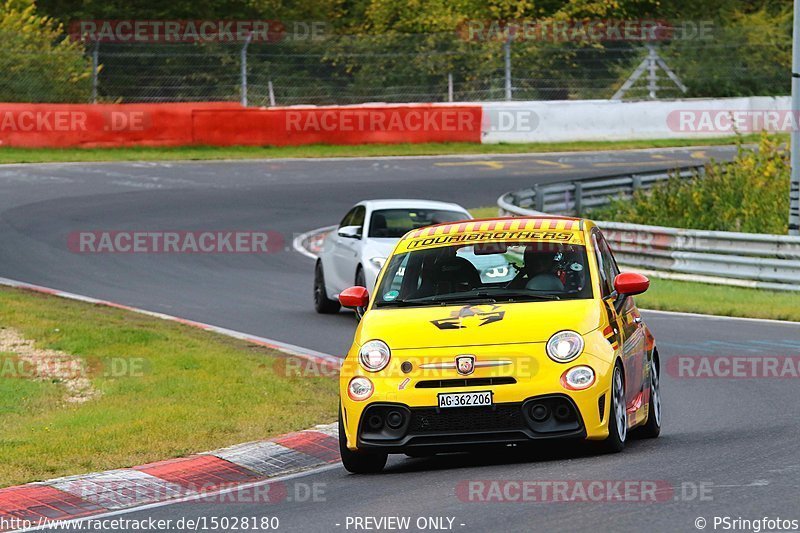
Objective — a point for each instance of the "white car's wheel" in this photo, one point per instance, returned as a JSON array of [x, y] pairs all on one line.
[[322, 303]]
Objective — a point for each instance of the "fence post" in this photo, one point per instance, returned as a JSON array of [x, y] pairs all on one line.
[[449, 86], [538, 198], [652, 73], [578, 198], [271, 93], [794, 180], [243, 63], [95, 69], [636, 182], [507, 54]]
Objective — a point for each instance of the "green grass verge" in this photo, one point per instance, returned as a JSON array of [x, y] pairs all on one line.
[[690, 297], [44, 155], [189, 391]]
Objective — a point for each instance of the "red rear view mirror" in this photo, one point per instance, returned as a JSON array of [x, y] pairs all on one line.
[[354, 297], [630, 283]]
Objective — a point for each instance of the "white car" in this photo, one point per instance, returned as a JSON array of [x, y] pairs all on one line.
[[354, 253]]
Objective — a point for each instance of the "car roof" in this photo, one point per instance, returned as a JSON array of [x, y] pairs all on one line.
[[400, 203]]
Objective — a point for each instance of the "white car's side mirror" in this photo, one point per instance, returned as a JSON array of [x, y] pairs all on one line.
[[351, 232]]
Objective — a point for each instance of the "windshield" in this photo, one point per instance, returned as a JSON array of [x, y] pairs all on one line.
[[394, 223], [498, 271]]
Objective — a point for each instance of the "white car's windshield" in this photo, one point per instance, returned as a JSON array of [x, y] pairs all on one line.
[[394, 223], [486, 272]]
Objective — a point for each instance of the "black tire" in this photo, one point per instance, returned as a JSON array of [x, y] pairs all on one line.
[[359, 462], [652, 427], [322, 303], [617, 434], [361, 279]]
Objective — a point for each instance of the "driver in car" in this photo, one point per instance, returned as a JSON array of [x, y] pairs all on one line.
[[537, 272]]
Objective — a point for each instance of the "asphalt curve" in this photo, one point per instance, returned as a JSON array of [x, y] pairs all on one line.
[[267, 295], [728, 447]]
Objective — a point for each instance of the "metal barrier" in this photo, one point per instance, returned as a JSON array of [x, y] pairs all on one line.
[[720, 257]]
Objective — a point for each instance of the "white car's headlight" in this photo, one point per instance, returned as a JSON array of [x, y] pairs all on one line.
[[374, 356], [360, 388], [564, 346], [378, 262], [578, 378]]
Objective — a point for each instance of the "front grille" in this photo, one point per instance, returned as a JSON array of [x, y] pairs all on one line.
[[466, 382], [466, 419]]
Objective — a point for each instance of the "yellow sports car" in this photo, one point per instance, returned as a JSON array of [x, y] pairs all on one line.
[[446, 358]]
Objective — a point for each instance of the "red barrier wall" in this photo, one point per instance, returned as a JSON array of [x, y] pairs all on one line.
[[226, 124]]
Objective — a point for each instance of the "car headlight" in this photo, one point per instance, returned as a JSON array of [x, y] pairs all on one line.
[[564, 346], [378, 262], [374, 356], [359, 389], [578, 378]]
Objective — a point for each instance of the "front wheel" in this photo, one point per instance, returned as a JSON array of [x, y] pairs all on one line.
[[652, 427], [617, 416], [359, 462], [323, 304]]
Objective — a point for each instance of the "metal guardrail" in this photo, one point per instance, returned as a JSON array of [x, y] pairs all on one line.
[[578, 196], [720, 257]]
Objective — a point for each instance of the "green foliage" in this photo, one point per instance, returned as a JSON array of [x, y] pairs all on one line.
[[751, 194], [37, 63], [747, 54]]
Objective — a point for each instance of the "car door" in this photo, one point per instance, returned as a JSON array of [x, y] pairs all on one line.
[[627, 321], [336, 253], [348, 249]]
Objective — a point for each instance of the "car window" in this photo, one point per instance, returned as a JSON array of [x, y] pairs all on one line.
[[346, 220], [497, 271], [359, 214], [607, 266], [394, 223]]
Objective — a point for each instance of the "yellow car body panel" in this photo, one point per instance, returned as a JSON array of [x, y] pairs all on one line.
[[430, 338]]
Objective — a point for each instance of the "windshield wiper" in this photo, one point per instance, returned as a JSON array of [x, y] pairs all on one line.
[[526, 296]]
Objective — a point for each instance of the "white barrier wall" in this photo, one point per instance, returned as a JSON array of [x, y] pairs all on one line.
[[606, 120]]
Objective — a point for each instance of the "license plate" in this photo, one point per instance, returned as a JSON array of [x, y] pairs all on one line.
[[465, 399]]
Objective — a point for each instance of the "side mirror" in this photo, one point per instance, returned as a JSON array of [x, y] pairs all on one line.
[[630, 284], [350, 232], [354, 298]]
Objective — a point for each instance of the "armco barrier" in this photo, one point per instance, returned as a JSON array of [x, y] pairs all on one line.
[[614, 120], [720, 257], [339, 125], [225, 124], [100, 125]]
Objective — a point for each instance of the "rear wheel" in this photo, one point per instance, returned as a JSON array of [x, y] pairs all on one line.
[[359, 462], [617, 416], [322, 303], [652, 428]]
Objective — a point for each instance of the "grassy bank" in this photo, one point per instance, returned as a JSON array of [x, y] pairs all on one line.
[[157, 390], [689, 297], [44, 155]]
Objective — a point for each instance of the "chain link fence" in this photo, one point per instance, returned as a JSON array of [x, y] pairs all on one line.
[[427, 68]]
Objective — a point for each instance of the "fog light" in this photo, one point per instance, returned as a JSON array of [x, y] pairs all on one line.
[[578, 378], [394, 419], [540, 412], [375, 422], [359, 389], [562, 412]]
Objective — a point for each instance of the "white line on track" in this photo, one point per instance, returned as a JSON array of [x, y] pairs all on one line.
[[374, 158]]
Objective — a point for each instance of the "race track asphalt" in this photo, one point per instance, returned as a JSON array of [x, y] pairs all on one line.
[[729, 447]]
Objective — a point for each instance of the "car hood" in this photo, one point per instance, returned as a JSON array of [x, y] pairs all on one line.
[[475, 325], [378, 247]]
